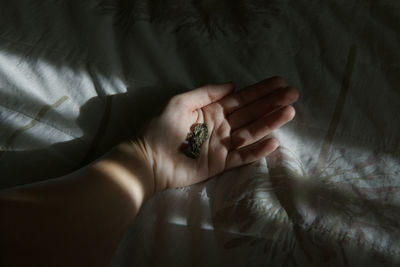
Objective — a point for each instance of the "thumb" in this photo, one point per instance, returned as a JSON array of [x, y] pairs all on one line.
[[207, 94]]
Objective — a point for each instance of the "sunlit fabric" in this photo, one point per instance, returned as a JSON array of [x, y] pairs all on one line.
[[77, 77]]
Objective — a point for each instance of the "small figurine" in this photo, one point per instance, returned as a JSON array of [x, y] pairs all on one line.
[[198, 134]]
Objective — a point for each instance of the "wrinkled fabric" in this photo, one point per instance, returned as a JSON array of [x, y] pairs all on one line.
[[77, 77]]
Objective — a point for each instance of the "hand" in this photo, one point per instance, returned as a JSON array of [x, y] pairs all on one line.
[[238, 125], [109, 192]]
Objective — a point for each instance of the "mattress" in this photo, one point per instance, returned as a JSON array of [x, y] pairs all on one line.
[[77, 77]]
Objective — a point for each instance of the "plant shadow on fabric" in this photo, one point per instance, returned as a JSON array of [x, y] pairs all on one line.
[[210, 17], [335, 199], [311, 213]]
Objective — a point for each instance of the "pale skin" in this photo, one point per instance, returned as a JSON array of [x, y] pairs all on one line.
[[78, 219]]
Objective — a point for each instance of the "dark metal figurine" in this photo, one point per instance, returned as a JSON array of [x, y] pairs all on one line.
[[198, 134]]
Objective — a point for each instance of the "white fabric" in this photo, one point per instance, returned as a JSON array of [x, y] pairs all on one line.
[[76, 77]]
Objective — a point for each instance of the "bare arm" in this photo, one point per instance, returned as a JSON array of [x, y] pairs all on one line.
[[75, 220], [78, 219]]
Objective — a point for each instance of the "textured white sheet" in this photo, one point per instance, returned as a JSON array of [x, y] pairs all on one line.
[[78, 76]]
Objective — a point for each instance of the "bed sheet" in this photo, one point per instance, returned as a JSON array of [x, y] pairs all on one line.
[[76, 77]]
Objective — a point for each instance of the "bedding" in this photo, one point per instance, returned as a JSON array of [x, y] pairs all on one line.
[[77, 77]]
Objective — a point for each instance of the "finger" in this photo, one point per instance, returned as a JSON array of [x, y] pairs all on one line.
[[264, 106], [205, 95], [260, 128], [251, 93], [251, 153]]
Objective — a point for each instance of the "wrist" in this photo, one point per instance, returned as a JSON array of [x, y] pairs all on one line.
[[128, 166]]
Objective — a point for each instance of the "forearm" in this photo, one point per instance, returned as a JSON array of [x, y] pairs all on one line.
[[78, 220], [75, 220]]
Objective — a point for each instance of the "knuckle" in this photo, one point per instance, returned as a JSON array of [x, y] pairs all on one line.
[[252, 132], [273, 143], [262, 130], [241, 100], [239, 139], [223, 129]]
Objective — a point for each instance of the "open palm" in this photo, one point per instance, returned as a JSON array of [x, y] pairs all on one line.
[[238, 125]]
